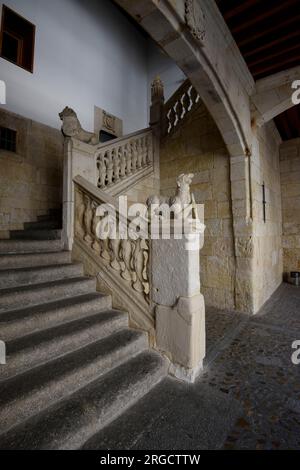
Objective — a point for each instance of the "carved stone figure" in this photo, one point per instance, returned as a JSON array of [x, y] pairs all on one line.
[[178, 202], [183, 194], [71, 127]]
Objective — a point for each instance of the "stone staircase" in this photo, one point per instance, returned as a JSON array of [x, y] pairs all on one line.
[[73, 364]]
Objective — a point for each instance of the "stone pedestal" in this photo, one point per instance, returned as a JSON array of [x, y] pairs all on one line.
[[179, 305]]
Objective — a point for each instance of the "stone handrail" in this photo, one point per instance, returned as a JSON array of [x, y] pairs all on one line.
[[123, 262], [179, 105], [120, 162]]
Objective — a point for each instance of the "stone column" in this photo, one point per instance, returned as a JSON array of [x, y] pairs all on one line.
[[79, 159], [179, 305]]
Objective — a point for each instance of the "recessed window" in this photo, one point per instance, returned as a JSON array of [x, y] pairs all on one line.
[[17, 39], [8, 139], [105, 136]]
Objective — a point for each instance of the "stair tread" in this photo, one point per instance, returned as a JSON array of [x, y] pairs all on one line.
[[26, 394], [65, 329], [42, 285], [35, 234], [34, 349], [73, 421], [30, 245], [48, 307], [31, 253], [37, 268]]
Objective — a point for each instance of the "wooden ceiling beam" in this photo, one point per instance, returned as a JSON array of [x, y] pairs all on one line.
[[273, 29], [265, 15], [273, 55], [240, 8], [276, 66], [271, 44]]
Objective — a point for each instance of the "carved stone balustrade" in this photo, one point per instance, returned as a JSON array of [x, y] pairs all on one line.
[[121, 257], [120, 162], [113, 167], [179, 105]]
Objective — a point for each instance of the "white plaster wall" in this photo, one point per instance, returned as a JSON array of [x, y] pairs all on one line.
[[87, 53]]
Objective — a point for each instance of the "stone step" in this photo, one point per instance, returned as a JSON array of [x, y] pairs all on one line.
[[24, 260], [35, 234], [48, 217], [17, 323], [69, 424], [27, 394], [43, 225], [30, 246], [24, 296], [33, 275], [32, 350]]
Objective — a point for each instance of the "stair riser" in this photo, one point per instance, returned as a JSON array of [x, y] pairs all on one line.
[[48, 218], [27, 359], [43, 224], [17, 278], [106, 414], [38, 322], [19, 299], [35, 234], [34, 259], [57, 389], [20, 246]]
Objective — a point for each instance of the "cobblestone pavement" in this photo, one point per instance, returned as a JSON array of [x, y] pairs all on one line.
[[247, 397], [256, 369]]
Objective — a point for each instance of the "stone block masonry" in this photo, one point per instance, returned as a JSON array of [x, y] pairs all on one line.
[[30, 178], [290, 193], [197, 147]]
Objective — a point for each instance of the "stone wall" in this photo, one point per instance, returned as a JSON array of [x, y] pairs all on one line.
[[31, 178], [290, 192], [197, 146], [267, 262], [140, 192]]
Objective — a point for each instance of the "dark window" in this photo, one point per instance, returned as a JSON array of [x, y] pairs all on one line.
[[8, 139], [17, 39], [105, 136]]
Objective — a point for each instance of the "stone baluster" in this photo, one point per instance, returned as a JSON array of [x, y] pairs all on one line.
[[122, 157], [139, 153], [116, 164], [134, 156], [138, 263], [101, 165], [185, 100], [179, 110], [128, 159], [125, 255], [110, 167], [194, 96], [149, 150], [87, 219]]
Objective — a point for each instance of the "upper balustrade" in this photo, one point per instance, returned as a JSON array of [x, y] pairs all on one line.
[[179, 105], [123, 158]]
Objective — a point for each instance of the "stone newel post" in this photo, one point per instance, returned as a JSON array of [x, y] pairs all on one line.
[[157, 119], [179, 305]]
